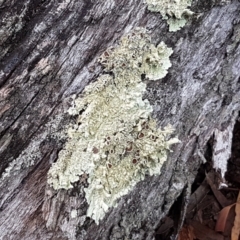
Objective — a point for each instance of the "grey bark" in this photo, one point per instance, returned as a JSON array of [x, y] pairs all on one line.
[[49, 51]]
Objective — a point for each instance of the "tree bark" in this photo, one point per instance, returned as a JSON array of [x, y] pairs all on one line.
[[49, 51]]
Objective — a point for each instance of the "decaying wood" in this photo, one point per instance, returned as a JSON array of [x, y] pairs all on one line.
[[49, 51]]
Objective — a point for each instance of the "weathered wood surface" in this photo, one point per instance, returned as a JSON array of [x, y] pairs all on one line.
[[49, 51]]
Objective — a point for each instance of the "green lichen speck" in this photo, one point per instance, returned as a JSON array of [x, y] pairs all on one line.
[[115, 141], [175, 11]]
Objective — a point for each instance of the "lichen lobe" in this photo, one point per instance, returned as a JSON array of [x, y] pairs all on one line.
[[176, 12], [115, 140]]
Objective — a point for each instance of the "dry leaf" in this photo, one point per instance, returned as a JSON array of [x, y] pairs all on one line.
[[236, 227], [219, 196], [222, 218], [186, 233], [205, 233]]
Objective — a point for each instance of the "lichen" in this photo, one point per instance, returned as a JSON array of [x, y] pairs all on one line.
[[115, 140], [175, 12]]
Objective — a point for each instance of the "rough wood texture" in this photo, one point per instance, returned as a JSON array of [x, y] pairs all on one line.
[[49, 51]]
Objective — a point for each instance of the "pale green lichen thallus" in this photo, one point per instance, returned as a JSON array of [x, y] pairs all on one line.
[[176, 12], [115, 140]]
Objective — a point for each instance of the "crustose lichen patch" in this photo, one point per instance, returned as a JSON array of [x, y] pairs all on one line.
[[115, 140]]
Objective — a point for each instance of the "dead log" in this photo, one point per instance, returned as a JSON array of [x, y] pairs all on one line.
[[49, 51]]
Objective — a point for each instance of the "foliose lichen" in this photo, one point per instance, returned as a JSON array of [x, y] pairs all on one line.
[[175, 12], [115, 140]]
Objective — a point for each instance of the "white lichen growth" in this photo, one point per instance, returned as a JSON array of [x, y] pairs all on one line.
[[175, 12], [115, 141], [73, 213]]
